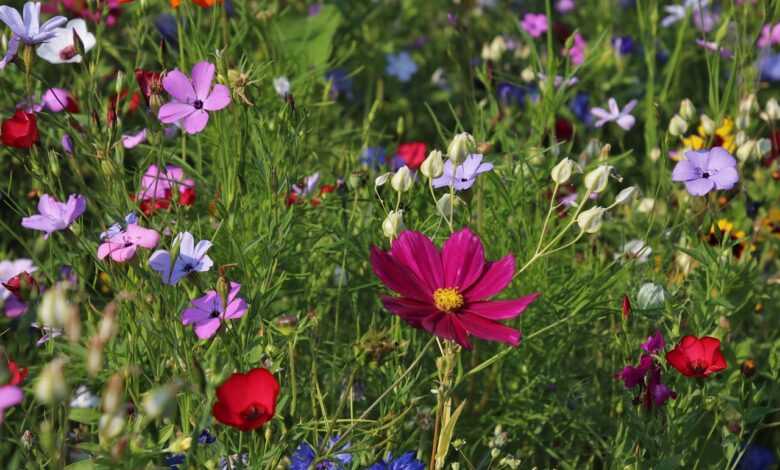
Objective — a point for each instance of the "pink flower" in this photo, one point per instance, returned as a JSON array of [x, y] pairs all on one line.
[[57, 100], [535, 24], [55, 215], [121, 247], [208, 312], [193, 99], [446, 292], [577, 51], [131, 140], [10, 395], [770, 35]]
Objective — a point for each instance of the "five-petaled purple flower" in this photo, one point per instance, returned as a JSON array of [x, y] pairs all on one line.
[[622, 118], [191, 258], [55, 215], [705, 170], [465, 175], [535, 24], [27, 28], [192, 99], [121, 246], [209, 311]]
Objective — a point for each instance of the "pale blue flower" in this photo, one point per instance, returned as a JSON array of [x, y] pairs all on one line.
[[401, 66]]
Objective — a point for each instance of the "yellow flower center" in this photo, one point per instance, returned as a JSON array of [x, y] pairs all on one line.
[[447, 299]]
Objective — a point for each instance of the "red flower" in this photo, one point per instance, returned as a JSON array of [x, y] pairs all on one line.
[[20, 130], [247, 401], [150, 84], [22, 285], [626, 307], [412, 153], [697, 357], [17, 375]]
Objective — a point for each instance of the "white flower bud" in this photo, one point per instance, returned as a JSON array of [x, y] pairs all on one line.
[[393, 224], [650, 296], [655, 154], [687, 110], [51, 388], [446, 205], [55, 309], [748, 104], [626, 194], [646, 205], [402, 180], [596, 180], [708, 124], [382, 179], [494, 50], [433, 166], [460, 147], [94, 356], [740, 138], [746, 150], [528, 75], [110, 426], [590, 220], [677, 126], [562, 171], [771, 111], [763, 146], [113, 394]]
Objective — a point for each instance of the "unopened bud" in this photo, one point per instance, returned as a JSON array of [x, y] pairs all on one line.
[[55, 309], [446, 205], [393, 224], [108, 326], [402, 180], [626, 194], [111, 425], [562, 171], [113, 394], [748, 104], [94, 356], [590, 220], [287, 324], [708, 125], [528, 75], [771, 111], [655, 154], [687, 110], [433, 166], [596, 180], [746, 150], [382, 179], [160, 400], [763, 146], [604, 153], [51, 388], [677, 126], [460, 147]]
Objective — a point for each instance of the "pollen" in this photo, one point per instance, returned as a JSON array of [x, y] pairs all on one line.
[[447, 299]]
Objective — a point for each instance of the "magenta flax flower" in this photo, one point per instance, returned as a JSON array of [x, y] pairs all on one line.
[[54, 215], [465, 175], [622, 118], [705, 170], [122, 246], [445, 292], [10, 395], [209, 311], [190, 258], [193, 99], [535, 24]]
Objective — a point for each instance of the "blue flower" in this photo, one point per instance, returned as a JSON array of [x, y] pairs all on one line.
[[305, 455], [373, 157], [341, 84], [174, 460], [757, 457], [511, 95], [401, 66], [206, 438], [407, 461], [580, 106], [191, 258], [166, 25], [624, 45], [769, 65]]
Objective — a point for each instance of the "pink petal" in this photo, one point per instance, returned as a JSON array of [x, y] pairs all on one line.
[[463, 259], [489, 330], [236, 309], [207, 329], [132, 140], [411, 311], [123, 254], [501, 309], [494, 279], [202, 76], [10, 395], [195, 122], [398, 277], [418, 253], [174, 112], [179, 86], [141, 236], [218, 99]]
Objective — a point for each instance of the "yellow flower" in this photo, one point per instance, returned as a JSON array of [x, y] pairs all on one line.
[[724, 137]]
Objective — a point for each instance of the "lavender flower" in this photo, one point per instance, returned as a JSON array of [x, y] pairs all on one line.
[[209, 311], [407, 461], [194, 98], [622, 118], [305, 455], [26, 28], [55, 215], [705, 170], [191, 258], [401, 66], [465, 175]]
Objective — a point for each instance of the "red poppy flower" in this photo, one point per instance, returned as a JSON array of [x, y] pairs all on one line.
[[697, 357], [20, 130], [412, 153], [17, 375], [247, 401]]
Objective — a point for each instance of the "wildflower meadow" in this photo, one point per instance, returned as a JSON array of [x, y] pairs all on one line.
[[390, 234]]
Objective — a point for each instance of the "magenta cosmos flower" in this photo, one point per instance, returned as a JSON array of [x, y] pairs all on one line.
[[208, 312], [55, 215], [446, 292], [121, 247], [193, 99], [705, 170]]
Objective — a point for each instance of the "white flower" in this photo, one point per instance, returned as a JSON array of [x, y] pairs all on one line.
[[687, 110], [83, 398], [433, 166], [282, 86], [677, 126], [650, 296], [635, 250], [562, 171], [62, 49]]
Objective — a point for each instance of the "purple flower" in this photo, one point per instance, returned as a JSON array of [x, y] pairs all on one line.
[[305, 455], [191, 258], [633, 376], [564, 6], [26, 28], [67, 143], [714, 47], [770, 36], [401, 66], [208, 312], [705, 170], [535, 24], [654, 343], [10, 395], [11, 269], [407, 461], [577, 51], [623, 45], [193, 99], [622, 118], [131, 140], [57, 100], [309, 185], [465, 175], [55, 215]]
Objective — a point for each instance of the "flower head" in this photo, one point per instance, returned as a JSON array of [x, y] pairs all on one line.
[[304, 456], [246, 400], [647, 375], [535, 24], [11, 269], [446, 292], [463, 176], [412, 153], [770, 36], [622, 118], [401, 66], [122, 246], [20, 130], [697, 357], [191, 258], [703, 171], [26, 28], [407, 461], [194, 98], [54, 215], [209, 311], [10, 395], [158, 186], [62, 48]]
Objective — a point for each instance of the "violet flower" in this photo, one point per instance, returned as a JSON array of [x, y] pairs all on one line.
[[564, 6], [577, 51], [26, 28], [122, 246], [194, 98], [647, 375], [676, 13], [714, 47], [191, 258], [10, 395], [401, 66], [209, 311], [622, 118], [535, 24], [705, 170], [55, 215], [465, 175], [654, 344]]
